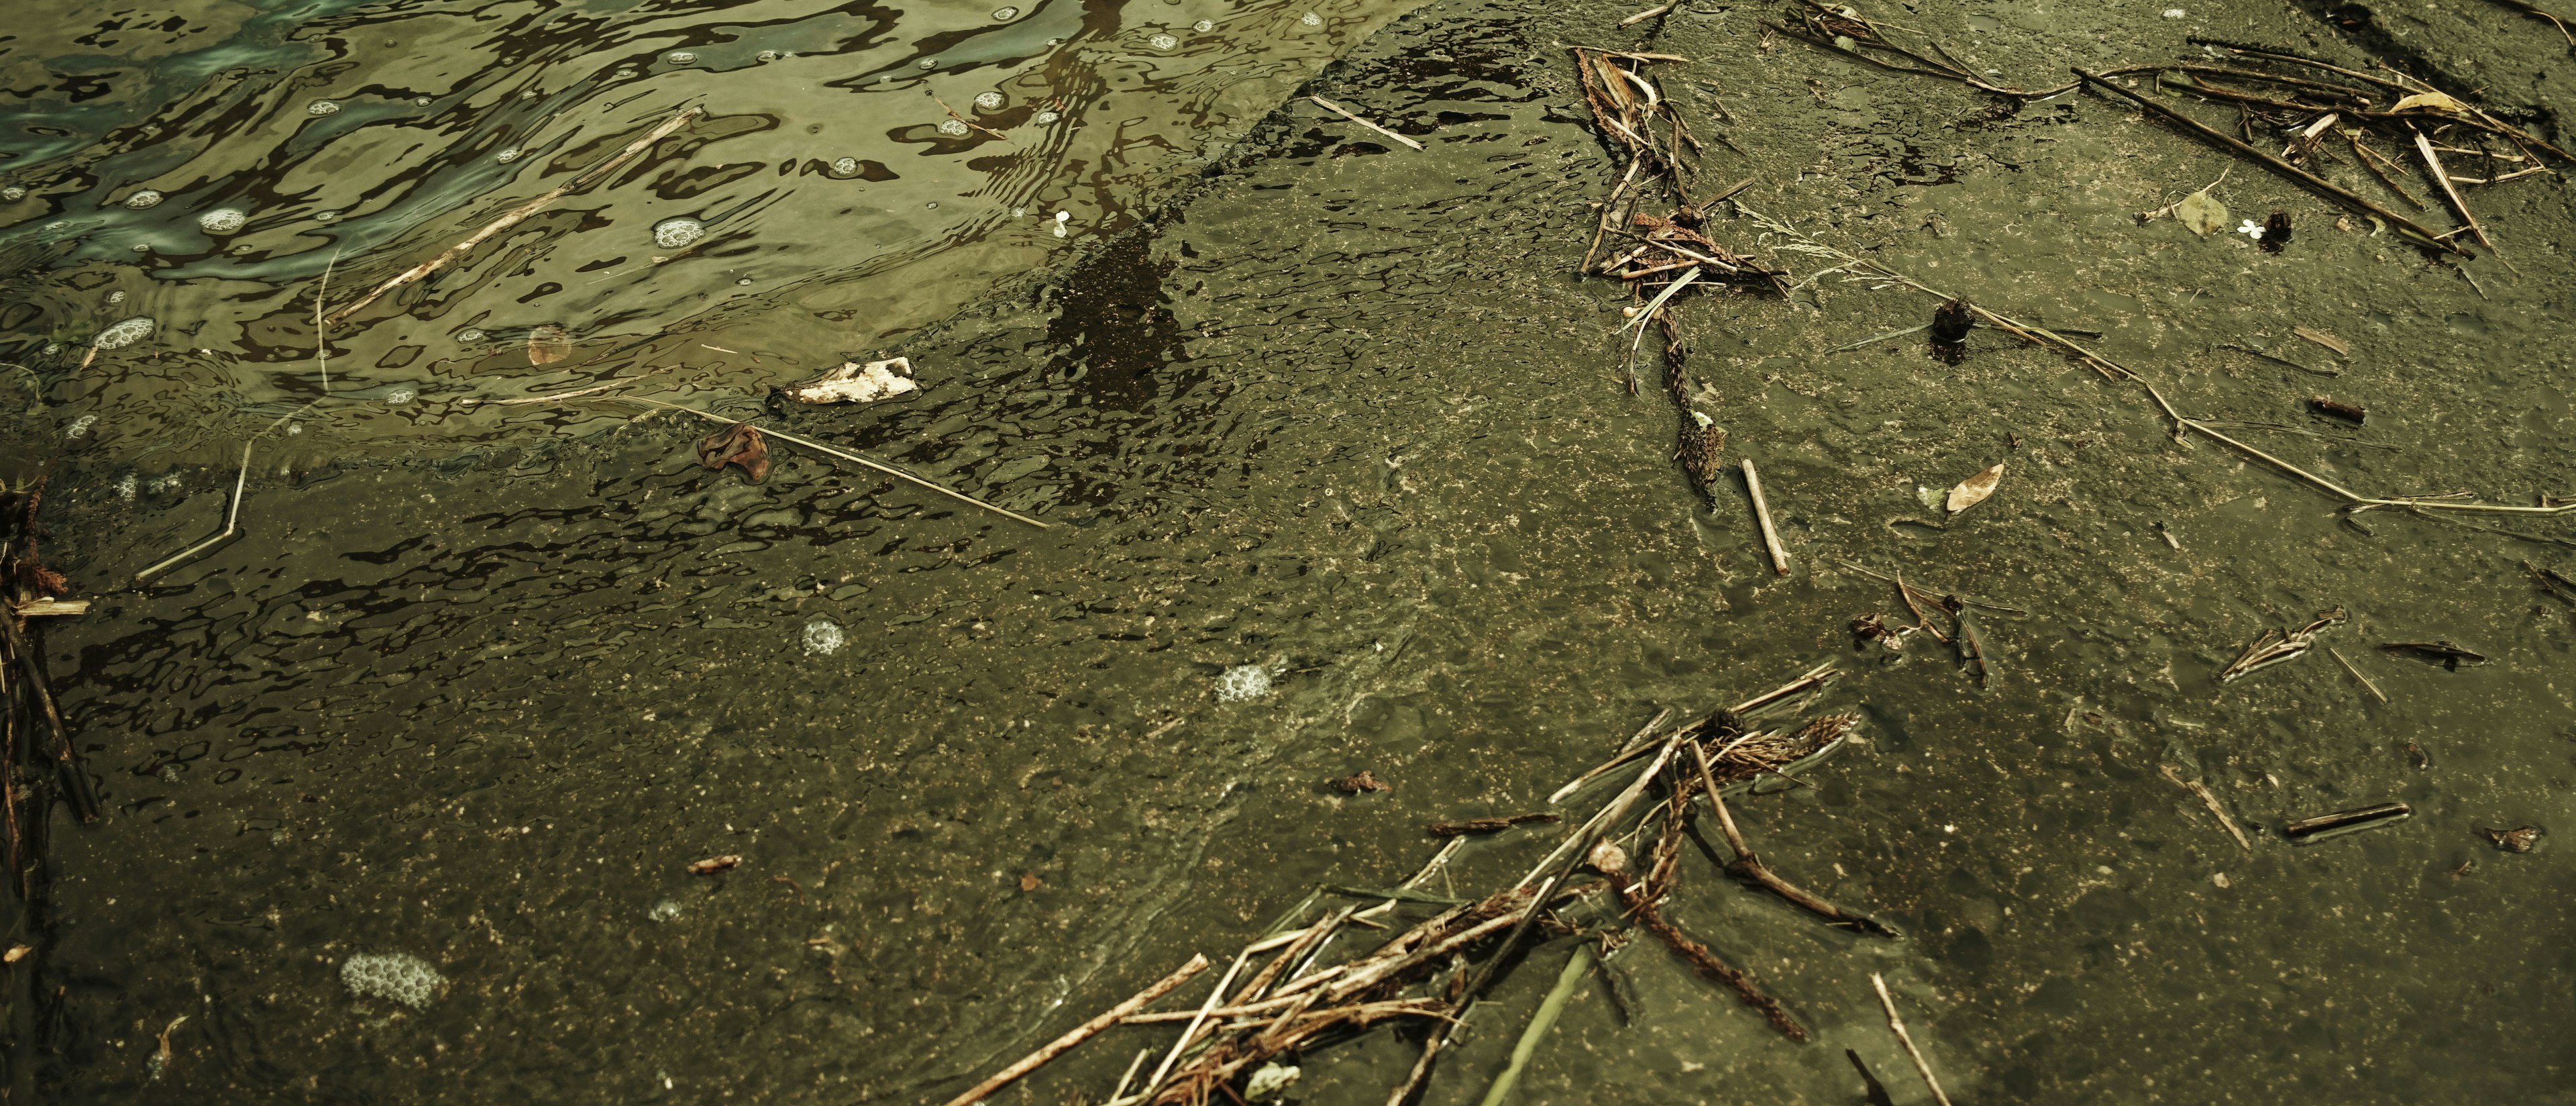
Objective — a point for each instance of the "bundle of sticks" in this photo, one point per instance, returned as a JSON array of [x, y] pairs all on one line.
[[1297, 997], [34, 743]]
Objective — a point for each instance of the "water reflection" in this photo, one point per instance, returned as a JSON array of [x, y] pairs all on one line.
[[859, 171]]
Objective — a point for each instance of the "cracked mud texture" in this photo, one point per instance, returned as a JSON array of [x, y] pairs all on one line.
[[1345, 412]]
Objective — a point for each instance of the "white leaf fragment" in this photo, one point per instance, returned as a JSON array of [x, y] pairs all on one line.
[[857, 383]]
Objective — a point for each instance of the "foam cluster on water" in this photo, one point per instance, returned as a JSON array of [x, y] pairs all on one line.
[[124, 332], [672, 234], [823, 637], [143, 199], [394, 976], [223, 220], [1243, 683]]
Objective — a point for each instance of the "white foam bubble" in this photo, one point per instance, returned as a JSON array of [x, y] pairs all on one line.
[[672, 234], [823, 637], [989, 101], [956, 127], [321, 107], [143, 199], [395, 976], [1243, 683], [1163, 42], [124, 332], [223, 220]]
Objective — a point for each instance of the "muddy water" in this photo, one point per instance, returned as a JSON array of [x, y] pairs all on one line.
[[1342, 476]]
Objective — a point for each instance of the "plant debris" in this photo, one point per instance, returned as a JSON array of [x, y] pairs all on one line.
[[2436, 652], [1486, 825], [2278, 646], [1365, 781], [857, 383], [739, 444], [2513, 840], [714, 864], [1975, 489]]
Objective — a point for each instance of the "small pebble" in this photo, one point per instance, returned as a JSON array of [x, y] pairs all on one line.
[[2219, 878]]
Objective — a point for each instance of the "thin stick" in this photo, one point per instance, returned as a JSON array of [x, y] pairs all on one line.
[[1130, 1073], [322, 337], [1752, 865], [2211, 801], [2528, 9], [1657, 304], [1880, 338], [1650, 13], [1346, 113], [516, 215], [1762, 514], [2442, 177], [2375, 693], [2371, 160], [846, 456], [2320, 184], [232, 526], [1081, 1033], [1548, 1011], [1215, 998], [1906, 1039]]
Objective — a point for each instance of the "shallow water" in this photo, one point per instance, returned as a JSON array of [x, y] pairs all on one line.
[[1343, 418]]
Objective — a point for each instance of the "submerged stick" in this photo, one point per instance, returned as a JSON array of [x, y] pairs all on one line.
[[232, 526], [2375, 693], [1548, 1011], [1762, 514], [1751, 865], [1215, 999], [1907, 1039], [854, 458], [2211, 801], [516, 215], [1080, 1033], [2442, 177], [2314, 182], [1346, 113]]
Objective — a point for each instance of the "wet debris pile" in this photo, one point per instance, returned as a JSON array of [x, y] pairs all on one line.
[[1286, 994], [39, 764], [1659, 255]]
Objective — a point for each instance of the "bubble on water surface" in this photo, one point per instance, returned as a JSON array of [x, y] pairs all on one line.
[[13, 193], [1311, 19], [80, 426], [672, 234], [399, 977], [1203, 26], [507, 156], [124, 332], [955, 127], [1044, 118], [469, 336], [223, 220], [1163, 42], [1006, 15], [930, 63], [847, 166], [326, 216], [989, 101], [681, 57], [767, 55], [143, 199], [321, 107], [823, 637], [420, 101], [116, 296], [664, 910], [1243, 683], [400, 396]]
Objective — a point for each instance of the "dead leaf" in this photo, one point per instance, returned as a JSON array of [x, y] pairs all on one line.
[[1029, 882], [2433, 101], [16, 953], [739, 444], [2324, 339], [713, 864], [1365, 781], [1975, 489], [2202, 213], [548, 343]]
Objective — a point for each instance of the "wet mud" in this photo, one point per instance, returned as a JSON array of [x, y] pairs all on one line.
[[1342, 475]]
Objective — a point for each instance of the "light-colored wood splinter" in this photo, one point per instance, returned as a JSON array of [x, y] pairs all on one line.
[[1346, 113], [1921, 1066], [1762, 514], [2215, 811]]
